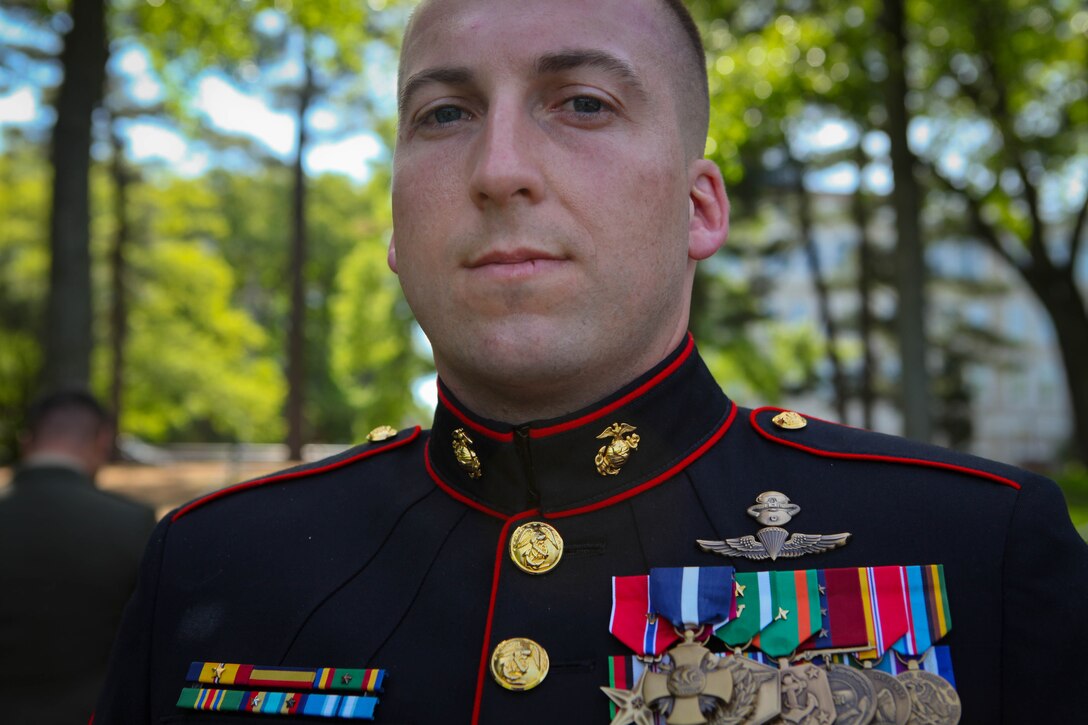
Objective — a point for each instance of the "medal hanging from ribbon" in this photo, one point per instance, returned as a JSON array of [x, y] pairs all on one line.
[[632, 620], [684, 601], [797, 612]]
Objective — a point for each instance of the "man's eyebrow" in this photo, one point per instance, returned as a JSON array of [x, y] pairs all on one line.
[[570, 59], [449, 76]]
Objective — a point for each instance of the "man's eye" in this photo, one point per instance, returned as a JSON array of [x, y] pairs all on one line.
[[587, 104], [445, 115]]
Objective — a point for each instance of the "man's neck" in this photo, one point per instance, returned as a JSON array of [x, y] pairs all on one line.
[[519, 401], [56, 459]]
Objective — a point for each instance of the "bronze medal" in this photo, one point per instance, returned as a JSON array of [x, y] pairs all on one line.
[[933, 700], [693, 677], [756, 699], [892, 700], [854, 695], [806, 696]]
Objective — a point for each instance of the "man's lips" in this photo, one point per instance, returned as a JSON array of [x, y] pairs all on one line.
[[515, 263]]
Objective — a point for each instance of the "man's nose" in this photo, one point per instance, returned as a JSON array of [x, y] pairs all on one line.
[[505, 166]]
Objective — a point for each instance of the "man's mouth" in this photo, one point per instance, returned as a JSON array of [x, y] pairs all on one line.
[[517, 263]]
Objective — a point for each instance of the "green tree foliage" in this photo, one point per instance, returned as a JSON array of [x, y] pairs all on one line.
[[24, 267], [375, 355], [198, 368], [998, 91]]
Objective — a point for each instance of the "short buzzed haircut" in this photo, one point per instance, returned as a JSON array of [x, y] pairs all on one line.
[[69, 414], [695, 79]]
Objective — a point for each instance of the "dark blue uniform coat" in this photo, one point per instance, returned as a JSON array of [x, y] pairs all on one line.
[[390, 555]]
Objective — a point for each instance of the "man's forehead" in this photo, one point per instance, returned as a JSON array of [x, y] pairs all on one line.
[[461, 32]]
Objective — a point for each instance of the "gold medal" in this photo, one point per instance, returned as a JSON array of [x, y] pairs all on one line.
[[892, 699], [933, 700], [853, 694]]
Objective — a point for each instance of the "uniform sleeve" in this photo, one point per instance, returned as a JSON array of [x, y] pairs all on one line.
[[125, 697], [1045, 631]]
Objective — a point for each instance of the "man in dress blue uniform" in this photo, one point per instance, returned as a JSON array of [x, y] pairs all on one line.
[[550, 203]]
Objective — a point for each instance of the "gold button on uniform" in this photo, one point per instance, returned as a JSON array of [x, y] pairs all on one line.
[[519, 664], [381, 433], [789, 420], [536, 547]]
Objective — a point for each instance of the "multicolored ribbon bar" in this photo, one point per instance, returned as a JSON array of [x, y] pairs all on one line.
[[309, 678], [797, 612], [632, 620], [755, 605], [693, 596], [345, 707], [928, 613]]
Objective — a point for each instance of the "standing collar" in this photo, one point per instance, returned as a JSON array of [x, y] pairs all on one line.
[[676, 409]]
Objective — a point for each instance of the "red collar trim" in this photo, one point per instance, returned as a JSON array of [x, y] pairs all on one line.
[[508, 436], [610, 501], [872, 456], [293, 474]]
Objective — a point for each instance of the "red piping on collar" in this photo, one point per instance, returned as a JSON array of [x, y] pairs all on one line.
[[656, 480], [876, 457], [582, 420], [450, 491], [637, 392], [481, 674], [493, 434], [292, 475]]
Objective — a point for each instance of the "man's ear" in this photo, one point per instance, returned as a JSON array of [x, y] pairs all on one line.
[[392, 258], [709, 224]]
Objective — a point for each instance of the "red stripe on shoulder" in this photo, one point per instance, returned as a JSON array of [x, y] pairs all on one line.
[[842, 455], [289, 475]]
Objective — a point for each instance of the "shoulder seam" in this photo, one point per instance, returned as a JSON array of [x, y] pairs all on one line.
[[876, 456], [290, 475]]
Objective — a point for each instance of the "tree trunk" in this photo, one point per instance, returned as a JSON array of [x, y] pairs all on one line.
[[118, 308], [1065, 305], [67, 336], [910, 259], [296, 336], [865, 313], [823, 296]]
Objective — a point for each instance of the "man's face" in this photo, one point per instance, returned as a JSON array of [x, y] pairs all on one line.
[[541, 190]]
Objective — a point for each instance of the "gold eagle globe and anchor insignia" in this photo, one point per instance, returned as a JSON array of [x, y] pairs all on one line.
[[610, 458], [771, 509], [466, 457]]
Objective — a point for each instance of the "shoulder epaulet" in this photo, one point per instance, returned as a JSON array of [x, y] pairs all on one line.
[[352, 455], [832, 440]]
